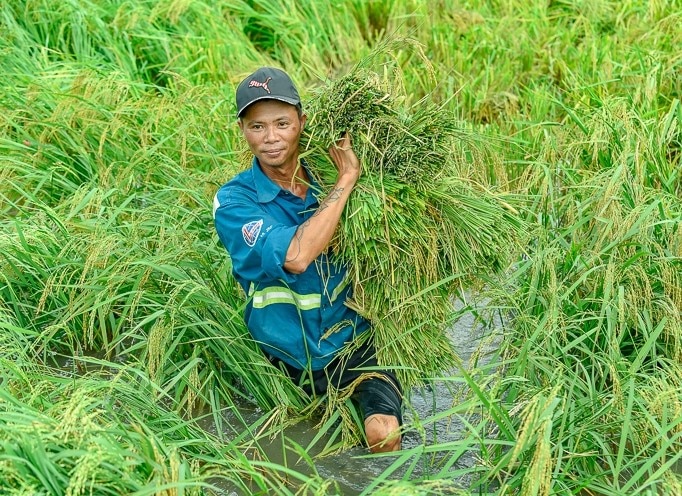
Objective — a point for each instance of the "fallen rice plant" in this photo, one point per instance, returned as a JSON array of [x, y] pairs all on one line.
[[414, 233]]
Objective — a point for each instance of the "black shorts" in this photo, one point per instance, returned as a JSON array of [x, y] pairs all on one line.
[[379, 393]]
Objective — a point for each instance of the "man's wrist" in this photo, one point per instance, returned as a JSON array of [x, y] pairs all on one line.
[[347, 181]]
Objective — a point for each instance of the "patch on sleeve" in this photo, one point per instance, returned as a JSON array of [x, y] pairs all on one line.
[[251, 231]]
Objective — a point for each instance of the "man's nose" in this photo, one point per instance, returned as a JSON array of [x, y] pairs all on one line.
[[270, 134]]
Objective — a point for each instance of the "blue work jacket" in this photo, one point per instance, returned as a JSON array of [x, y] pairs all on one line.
[[301, 319]]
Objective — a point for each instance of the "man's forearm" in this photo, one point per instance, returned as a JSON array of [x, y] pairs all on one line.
[[313, 236]]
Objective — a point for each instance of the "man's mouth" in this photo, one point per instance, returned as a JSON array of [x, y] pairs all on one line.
[[272, 153]]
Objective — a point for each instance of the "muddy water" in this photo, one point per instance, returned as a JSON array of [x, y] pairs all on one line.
[[354, 470]]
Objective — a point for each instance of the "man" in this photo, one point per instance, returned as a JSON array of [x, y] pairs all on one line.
[[276, 227]]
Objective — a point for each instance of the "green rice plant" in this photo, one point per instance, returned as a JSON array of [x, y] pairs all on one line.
[[303, 36], [131, 281], [618, 131], [520, 71], [414, 232], [373, 17], [548, 425], [152, 42], [421, 488], [104, 131], [107, 434], [596, 321], [17, 370], [110, 183]]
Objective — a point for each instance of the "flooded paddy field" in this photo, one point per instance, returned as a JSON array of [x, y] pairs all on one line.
[[355, 470]]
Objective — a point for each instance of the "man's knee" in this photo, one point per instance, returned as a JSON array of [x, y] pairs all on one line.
[[383, 433]]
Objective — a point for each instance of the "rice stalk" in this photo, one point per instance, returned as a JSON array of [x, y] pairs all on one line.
[[413, 232]]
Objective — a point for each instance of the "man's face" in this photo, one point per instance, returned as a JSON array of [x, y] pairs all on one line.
[[273, 129]]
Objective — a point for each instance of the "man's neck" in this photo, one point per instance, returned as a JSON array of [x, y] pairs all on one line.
[[295, 181]]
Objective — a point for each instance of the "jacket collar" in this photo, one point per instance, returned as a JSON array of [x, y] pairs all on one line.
[[267, 190]]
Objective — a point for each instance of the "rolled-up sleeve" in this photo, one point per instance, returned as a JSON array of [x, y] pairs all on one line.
[[256, 241]]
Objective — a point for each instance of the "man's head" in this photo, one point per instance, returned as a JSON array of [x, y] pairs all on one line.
[[270, 118], [266, 83]]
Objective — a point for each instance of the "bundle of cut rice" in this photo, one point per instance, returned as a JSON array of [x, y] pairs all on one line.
[[413, 233]]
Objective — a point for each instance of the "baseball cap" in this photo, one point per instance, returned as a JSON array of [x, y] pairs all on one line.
[[266, 83]]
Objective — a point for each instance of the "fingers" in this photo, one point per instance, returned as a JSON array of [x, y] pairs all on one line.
[[344, 142], [344, 157]]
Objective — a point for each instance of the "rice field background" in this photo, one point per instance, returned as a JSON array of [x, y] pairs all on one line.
[[120, 324]]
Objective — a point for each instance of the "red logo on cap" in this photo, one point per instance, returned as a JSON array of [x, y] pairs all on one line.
[[258, 84]]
